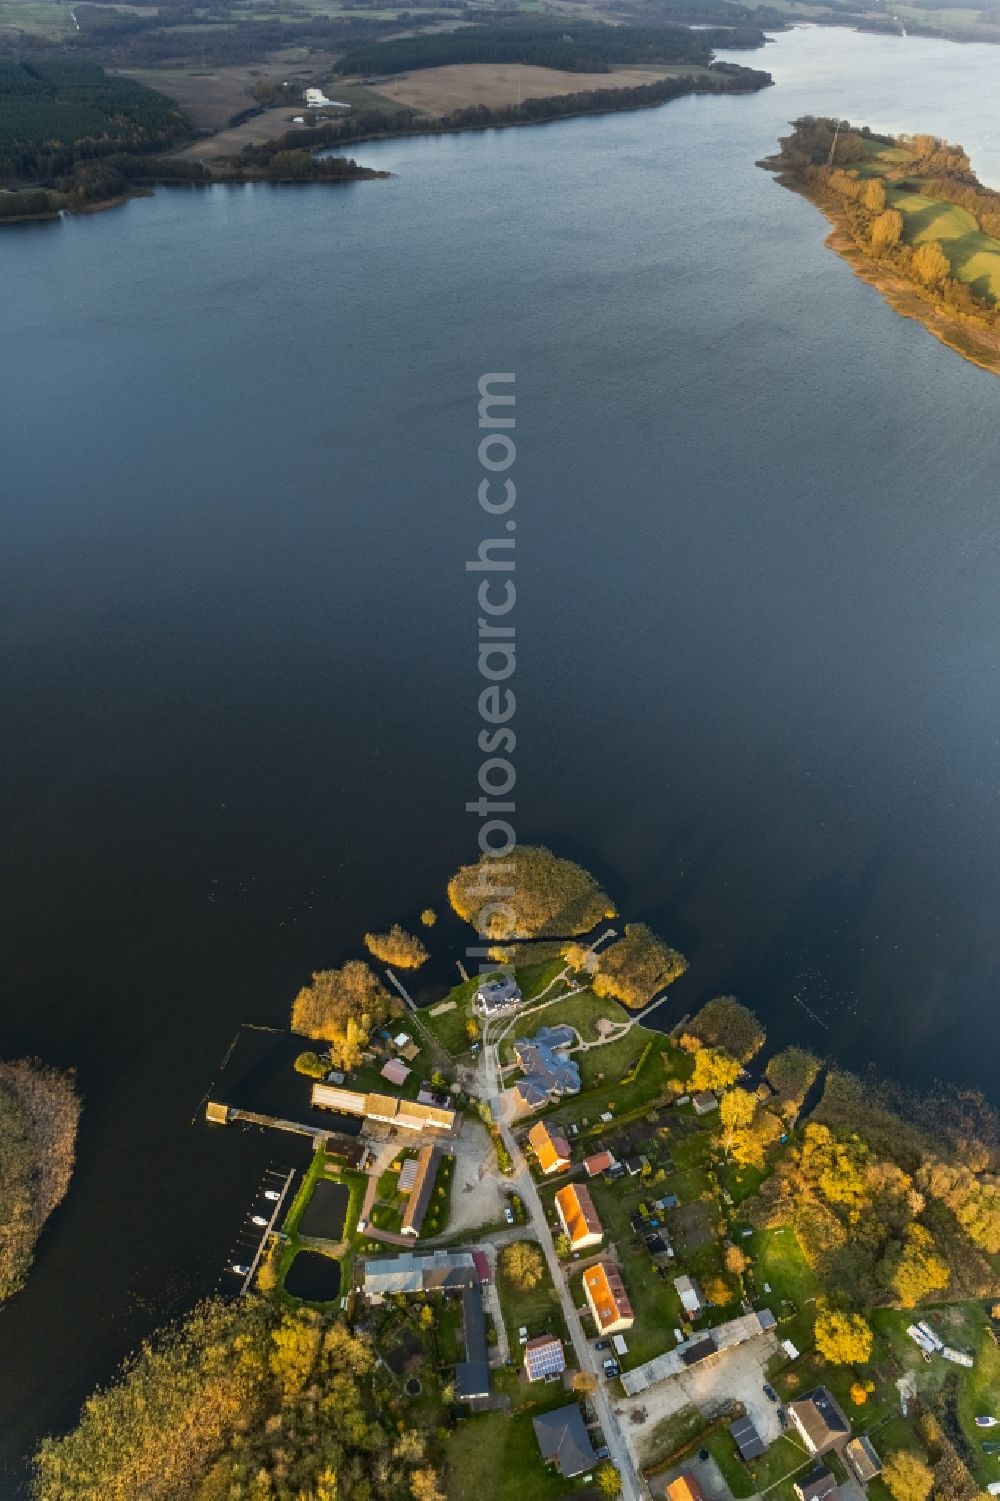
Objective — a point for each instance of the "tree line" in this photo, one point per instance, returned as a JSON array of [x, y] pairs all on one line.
[[586, 47]]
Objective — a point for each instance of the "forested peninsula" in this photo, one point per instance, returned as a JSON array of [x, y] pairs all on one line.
[[910, 216], [39, 1115]]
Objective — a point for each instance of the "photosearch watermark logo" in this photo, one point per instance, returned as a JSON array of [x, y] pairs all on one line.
[[496, 597]]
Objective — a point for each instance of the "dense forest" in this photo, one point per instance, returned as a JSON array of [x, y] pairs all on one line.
[[590, 47], [244, 1400], [39, 1114], [56, 112]]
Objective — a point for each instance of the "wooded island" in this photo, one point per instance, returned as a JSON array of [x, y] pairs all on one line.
[[911, 217]]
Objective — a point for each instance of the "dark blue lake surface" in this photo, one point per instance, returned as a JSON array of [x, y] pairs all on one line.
[[758, 621]]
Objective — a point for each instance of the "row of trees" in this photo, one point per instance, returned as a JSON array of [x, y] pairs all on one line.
[[586, 47]]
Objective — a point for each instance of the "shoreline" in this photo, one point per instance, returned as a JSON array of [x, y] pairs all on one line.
[[976, 345], [238, 177]]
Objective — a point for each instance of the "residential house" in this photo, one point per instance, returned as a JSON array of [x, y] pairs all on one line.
[[564, 1441], [544, 1357], [818, 1420], [862, 1458], [496, 996], [685, 1488], [605, 1292], [690, 1295], [818, 1485], [548, 1073], [550, 1148], [704, 1102], [420, 1194], [395, 1072], [599, 1162], [578, 1216]]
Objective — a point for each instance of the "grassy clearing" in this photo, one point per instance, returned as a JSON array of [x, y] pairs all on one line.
[[778, 1261], [582, 1011], [974, 256], [449, 1026], [536, 1308], [494, 1457]]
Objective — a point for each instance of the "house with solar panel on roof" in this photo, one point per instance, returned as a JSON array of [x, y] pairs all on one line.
[[544, 1358]]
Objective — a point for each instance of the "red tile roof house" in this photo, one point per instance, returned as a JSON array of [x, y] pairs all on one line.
[[578, 1216], [600, 1162], [550, 1148], [607, 1297]]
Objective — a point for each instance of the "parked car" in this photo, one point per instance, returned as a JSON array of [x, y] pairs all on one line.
[[604, 1452], [987, 1422], [522, 1335], [508, 1214], [602, 1344], [770, 1393], [782, 1417], [612, 1368]]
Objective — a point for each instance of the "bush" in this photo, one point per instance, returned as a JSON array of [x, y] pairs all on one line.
[[428, 917], [397, 947], [311, 1065]]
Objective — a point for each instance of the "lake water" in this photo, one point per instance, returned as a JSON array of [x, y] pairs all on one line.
[[758, 621]]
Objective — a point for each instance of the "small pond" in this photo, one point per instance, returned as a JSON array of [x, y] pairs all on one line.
[[313, 1277], [324, 1215]]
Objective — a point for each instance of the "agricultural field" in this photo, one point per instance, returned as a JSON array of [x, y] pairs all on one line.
[[438, 91]]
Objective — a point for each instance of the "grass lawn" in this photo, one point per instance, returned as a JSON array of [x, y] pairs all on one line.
[[974, 256], [536, 1308], [449, 1026], [494, 1457], [620, 1098], [965, 1327], [368, 1078], [778, 1260], [581, 1011]]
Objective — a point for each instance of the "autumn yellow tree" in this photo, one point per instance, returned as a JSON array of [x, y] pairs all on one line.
[[736, 1261], [930, 264], [886, 230], [843, 1338], [428, 917], [907, 1476], [714, 1069], [425, 1485], [920, 1269], [737, 1108], [522, 1264], [873, 195]]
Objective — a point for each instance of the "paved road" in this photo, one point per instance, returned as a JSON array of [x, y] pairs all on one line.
[[523, 1184]]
